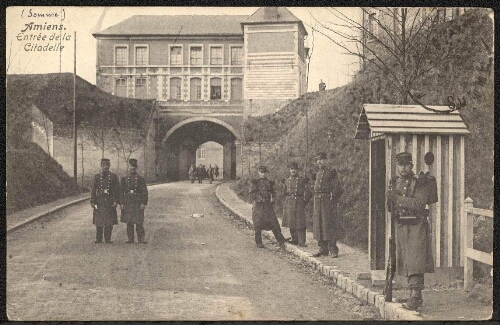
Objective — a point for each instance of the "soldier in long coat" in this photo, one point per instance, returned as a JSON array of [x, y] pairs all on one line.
[[200, 173], [133, 198], [192, 173], [327, 191], [263, 216], [104, 198], [297, 195], [409, 196]]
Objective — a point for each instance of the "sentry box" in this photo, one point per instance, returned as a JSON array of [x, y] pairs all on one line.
[[395, 128]]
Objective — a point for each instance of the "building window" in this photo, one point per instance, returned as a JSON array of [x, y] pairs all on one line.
[[236, 89], [141, 55], [215, 88], [236, 55], [121, 55], [371, 26], [196, 55], [216, 55], [195, 89], [175, 88], [176, 55], [201, 153], [121, 87], [140, 88]]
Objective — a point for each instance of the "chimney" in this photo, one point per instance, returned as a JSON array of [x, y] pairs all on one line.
[[270, 13]]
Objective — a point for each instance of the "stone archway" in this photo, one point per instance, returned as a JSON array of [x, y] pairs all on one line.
[[178, 147]]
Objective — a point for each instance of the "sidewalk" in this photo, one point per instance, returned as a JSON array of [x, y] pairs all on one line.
[[351, 271], [17, 219]]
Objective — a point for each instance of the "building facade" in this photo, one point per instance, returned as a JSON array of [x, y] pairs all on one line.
[[385, 24], [249, 64]]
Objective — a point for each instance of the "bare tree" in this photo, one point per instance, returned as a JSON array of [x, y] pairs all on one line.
[[129, 141], [102, 133], [399, 43]]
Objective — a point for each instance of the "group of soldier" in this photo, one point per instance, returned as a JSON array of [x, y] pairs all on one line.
[[131, 195], [297, 191], [408, 197], [201, 172]]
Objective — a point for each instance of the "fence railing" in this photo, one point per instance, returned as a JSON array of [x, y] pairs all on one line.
[[470, 253]]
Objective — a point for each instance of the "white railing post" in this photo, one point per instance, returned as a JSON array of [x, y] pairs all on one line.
[[468, 242]]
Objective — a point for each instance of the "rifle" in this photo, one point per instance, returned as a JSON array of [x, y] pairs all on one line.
[[391, 262]]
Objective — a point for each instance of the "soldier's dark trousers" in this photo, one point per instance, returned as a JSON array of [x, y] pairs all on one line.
[[139, 228], [326, 246], [416, 281], [106, 230], [277, 234], [298, 235]]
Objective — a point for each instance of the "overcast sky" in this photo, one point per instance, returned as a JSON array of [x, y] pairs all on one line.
[[327, 61]]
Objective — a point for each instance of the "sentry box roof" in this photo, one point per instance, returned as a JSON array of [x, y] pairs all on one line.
[[377, 119]]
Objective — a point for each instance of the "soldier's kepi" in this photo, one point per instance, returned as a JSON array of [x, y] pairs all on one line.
[[133, 198], [407, 201], [104, 198]]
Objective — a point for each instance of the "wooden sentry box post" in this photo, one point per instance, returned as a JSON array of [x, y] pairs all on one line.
[[412, 128]]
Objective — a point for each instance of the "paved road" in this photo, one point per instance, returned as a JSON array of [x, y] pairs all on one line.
[[192, 269]]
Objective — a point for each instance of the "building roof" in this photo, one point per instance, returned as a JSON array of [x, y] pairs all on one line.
[[383, 118], [282, 15], [183, 25]]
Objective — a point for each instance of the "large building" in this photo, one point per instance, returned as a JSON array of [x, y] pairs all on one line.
[[253, 63], [207, 74]]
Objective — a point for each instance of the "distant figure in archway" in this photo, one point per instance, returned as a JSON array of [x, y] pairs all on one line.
[[192, 173], [200, 172], [216, 171], [211, 173]]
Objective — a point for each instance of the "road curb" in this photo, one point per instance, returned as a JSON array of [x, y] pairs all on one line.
[[46, 213], [55, 209], [387, 310]]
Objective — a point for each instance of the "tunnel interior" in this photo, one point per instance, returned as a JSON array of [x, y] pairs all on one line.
[[178, 151]]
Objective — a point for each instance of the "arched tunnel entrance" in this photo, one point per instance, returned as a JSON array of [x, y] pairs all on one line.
[[178, 148]]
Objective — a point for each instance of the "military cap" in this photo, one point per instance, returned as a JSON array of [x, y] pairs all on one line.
[[321, 155], [263, 169], [404, 158], [293, 165], [105, 161], [132, 162]]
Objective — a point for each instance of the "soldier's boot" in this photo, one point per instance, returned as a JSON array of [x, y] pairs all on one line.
[[415, 301], [294, 240], [323, 249], [140, 233], [301, 237], [130, 233], [98, 234], [108, 230], [280, 238]]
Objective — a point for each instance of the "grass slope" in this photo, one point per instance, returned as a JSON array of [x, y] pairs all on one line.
[[34, 178]]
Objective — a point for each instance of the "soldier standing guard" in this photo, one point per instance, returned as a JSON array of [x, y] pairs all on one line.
[[104, 199], [297, 195], [263, 215], [327, 191], [409, 195], [133, 198]]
